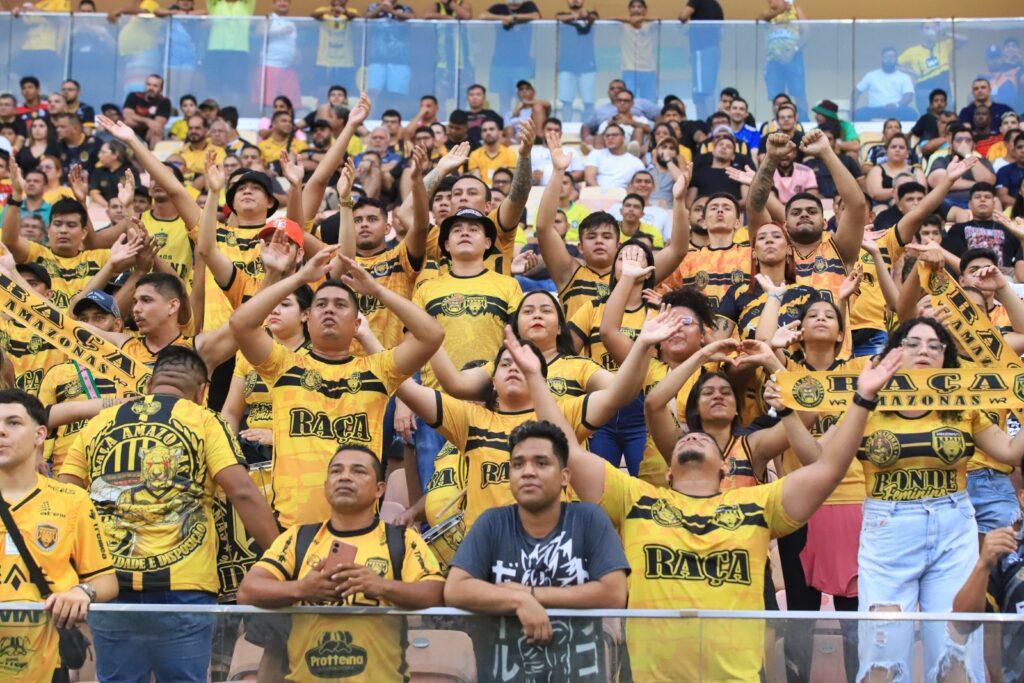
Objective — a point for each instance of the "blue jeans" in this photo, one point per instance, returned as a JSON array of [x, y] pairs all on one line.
[[869, 345], [428, 445], [914, 556], [788, 77], [879, 113], [643, 84], [130, 647], [993, 497], [624, 435], [705, 57]]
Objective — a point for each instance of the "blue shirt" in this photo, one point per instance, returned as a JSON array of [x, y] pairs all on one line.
[[749, 135], [1010, 177]]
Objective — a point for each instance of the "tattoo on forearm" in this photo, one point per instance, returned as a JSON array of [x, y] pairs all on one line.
[[522, 180], [431, 181], [761, 187]]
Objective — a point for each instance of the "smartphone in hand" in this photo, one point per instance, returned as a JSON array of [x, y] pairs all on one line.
[[340, 553]]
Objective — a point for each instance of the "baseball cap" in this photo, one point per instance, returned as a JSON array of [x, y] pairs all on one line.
[[261, 179], [209, 103], [292, 229], [36, 270], [320, 123], [110, 106], [101, 300], [468, 215], [523, 84], [827, 108], [722, 130]]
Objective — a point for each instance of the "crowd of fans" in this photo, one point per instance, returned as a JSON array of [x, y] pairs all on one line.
[[254, 366]]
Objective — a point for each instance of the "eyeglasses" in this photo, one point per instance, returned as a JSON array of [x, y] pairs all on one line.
[[913, 344], [623, 101]]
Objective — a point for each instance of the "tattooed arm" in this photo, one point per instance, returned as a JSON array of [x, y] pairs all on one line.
[[778, 146], [512, 207]]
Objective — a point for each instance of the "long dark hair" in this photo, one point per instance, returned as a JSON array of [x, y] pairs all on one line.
[[950, 358], [563, 340], [649, 281], [693, 421], [818, 297], [491, 395], [789, 270]]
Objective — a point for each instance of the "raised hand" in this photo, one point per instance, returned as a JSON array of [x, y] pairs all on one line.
[[318, 266], [779, 145], [634, 264], [346, 178], [361, 111], [17, 181], [280, 254], [768, 286], [78, 179], [929, 254], [814, 143], [786, 336], [293, 171], [525, 262], [420, 162], [357, 278], [877, 374], [524, 358], [849, 286], [125, 189], [651, 296], [744, 177], [124, 250], [720, 351], [990, 279], [560, 159], [215, 176], [958, 168], [682, 182], [755, 352], [118, 129], [773, 394], [662, 326], [527, 136], [456, 157]]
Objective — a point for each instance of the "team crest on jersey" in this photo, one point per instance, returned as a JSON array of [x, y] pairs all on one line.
[[1018, 387], [160, 240], [737, 277], [145, 409], [665, 514], [231, 240], [867, 258], [46, 536], [381, 269], [377, 565], [82, 270], [250, 383], [72, 390], [602, 290], [51, 268], [311, 380], [728, 517], [938, 283], [882, 448], [353, 383], [459, 304], [949, 444], [557, 386], [14, 648], [820, 265], [701, 279], [35, 344], [808, 392]]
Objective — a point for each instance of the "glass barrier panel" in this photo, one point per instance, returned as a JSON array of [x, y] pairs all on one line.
[[111, 60], [221, 57], [808, 60], [39, 47], [6, 44], [587, 61], [330, 52], [503, 56], [599, 645], [989, 48]]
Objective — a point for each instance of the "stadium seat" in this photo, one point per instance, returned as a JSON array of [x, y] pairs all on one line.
[[245, 660], [166, 148], [441, 657], [827, 663], [397, 490], [601, 198], [389, 511]]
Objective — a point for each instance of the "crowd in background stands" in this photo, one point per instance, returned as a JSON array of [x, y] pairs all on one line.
[[223, 359]]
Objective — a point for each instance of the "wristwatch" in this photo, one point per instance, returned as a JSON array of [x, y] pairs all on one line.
[[88, 590], [11, 201]]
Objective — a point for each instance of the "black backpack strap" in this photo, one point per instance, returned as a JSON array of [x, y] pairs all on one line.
[[396, 548], [303, 539], [35, 574]]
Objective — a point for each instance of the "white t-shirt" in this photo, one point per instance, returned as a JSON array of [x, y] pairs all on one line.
[[884, 89], [540, 160], [614, 170], [653, 215], [282, 42]]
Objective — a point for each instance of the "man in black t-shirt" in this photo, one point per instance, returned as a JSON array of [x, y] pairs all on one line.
[[711, 178], [704, 51], [538, 554], [826, 185], [982, 232], [147, 112], [476, 96], [76, 148], [513, 48]]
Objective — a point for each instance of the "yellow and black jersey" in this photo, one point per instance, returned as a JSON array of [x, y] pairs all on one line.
[[740, 461], [869, 310], [31, 356], [257, 397], [851, 489], [62, 532], [915, 458], [175, 243], [149, 466], [695, 553], [481, 435], [567, 376], [473, 312], [138, 348], [69, 274], [821, 267], [584, 286], [712, 271], [587, 325], [242, 246], [997, 417], [499, 260], [65, 382], [743, 308], [318, 404], [335, 647], [1000, 318], [445, 485], [394, 270]]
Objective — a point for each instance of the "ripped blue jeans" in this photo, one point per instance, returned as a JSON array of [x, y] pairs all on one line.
[[914, 556]]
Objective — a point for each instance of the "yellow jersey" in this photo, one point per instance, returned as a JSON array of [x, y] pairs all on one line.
[[137, 347], [393, 269], [62, 532], [869, 310], [354, 648], [695, 553], [927, 62], [657, 240], [485, 164], [712, 271], [149, 466], [473, 312], [585, 285], [70, 274], [31, 356], [241, 245], [174, 242], [567, 375], [195, 160], [499, 259], [447, 482], [821, 267], [271, 149], [923, 457], [257, 397], [318, 404], [61, 384], [334, 48], [587, 325], [481, 435]]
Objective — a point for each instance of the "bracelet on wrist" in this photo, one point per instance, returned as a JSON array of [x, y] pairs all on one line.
[[772, 412], [11, 201], [865, 403], [777, 296]]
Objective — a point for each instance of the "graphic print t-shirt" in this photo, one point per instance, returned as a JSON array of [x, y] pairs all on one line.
[[582, 548]]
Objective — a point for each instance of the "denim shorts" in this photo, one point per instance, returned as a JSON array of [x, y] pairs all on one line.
[[993, 498], [914, 556], [132, 646]]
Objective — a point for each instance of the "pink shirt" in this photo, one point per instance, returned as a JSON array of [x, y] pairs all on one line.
[[802, 180]]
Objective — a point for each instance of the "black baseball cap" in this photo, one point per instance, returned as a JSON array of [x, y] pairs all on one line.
[[36, 270], [261, 179], [468, 215]]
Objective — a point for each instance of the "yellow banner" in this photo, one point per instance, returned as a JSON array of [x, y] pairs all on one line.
[[924, 389], [76, 341]]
